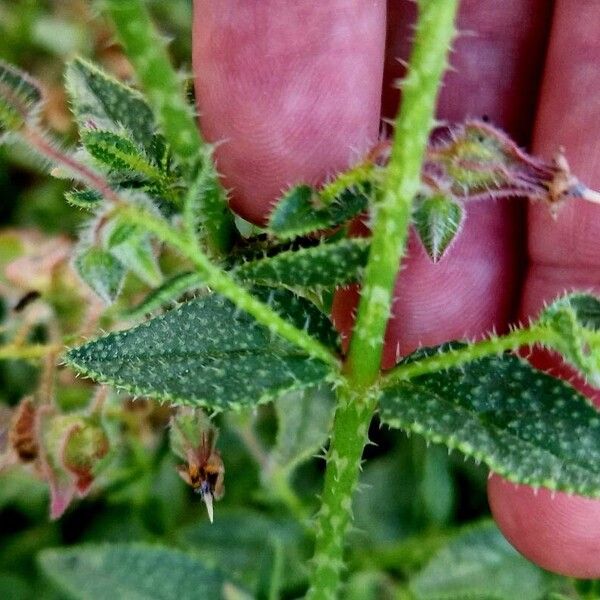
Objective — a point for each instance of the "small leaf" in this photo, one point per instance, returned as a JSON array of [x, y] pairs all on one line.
[[100, 101], [480, 564], [119, 153], [208, 353], [168, 293], [437, 220], [129, 571], [575, 319], [132, 247], [101, 271], [86, 199], [304, 418], [20, 97], [301, 211], [523, 424], [325, 265]]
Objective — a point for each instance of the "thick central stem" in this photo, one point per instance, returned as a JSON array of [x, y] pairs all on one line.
[[357, 400]]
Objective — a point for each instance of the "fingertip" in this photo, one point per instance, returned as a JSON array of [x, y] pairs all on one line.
[[557, 531]]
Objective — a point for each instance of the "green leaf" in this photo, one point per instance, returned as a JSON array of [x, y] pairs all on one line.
[[301, 211], [133, 571], [208, 353], [480, 564], [326, 265], [575, 319], [20, 97], [101, 271], [523, 424], [304, 419], [168, 293], [99, 101], [242, 543], [86, 199], [119, 153], [132, 247], [437, 220]]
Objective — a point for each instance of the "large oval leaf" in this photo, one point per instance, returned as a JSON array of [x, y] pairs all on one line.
[[525, 425], [132, 571], [208, 353]]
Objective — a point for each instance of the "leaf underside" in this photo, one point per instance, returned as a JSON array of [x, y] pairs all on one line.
[[525, 425], [208, 353], [132, 571]]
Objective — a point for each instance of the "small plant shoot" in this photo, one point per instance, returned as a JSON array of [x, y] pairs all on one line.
[[167, 346]]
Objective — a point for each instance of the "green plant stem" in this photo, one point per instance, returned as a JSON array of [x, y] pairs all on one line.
[[27, 352], [146, 50], [215, 278], [536, 334], [434, 34]]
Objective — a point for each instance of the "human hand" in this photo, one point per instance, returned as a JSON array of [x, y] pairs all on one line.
[[294, 89]]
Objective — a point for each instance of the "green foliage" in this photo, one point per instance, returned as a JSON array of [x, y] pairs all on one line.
[[208, 353], [480, 564], [101, 271], [132, 247], [575, 321], [244, 544], [119, 153], [20, 97], [301, 211], [86, 199], [524, 424], [437, 220], [100, 102], [129, 571], [323, 266], [304, 419], [166, 294]]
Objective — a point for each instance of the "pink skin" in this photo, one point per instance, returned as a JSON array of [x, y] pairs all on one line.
[[254, 54]]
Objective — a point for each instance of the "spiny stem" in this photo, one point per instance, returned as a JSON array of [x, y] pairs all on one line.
[[146, 50], [434, 34], [457, 357], [218, 280]]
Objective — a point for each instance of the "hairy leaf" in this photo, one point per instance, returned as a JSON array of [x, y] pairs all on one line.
[[99, 101], [101, 271], [437, 220], [133, 571], [301, 211], [525, 425], [208, 353], [304, 418], [326, 265], [86, 199], [132, 247], [20, 97], [118, 152], [480, 564], [575, 319]]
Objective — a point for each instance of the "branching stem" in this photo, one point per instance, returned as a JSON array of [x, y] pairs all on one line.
[[434, 34]]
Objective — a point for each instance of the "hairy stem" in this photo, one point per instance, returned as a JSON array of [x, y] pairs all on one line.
[[434, 34], [217, 279], [457, 357], [146, 50]]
